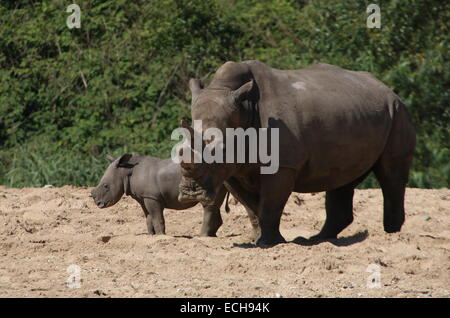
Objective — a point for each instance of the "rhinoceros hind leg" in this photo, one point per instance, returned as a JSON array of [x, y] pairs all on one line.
[[149, 222], [393, 177], [392, 169], [339, 208]]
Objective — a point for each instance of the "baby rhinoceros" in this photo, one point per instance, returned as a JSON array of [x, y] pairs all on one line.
[[153, 182]]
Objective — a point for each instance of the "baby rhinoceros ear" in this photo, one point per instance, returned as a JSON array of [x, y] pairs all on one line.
[[110, 158], [124, 161], [195, 86]]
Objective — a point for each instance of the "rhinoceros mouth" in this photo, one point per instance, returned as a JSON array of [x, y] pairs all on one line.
[[102, 204]]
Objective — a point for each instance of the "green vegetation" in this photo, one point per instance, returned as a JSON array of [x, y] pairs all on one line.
[[119, 83]]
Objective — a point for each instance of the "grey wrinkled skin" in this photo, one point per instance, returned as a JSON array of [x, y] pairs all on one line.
[[152, 182], [335, 127]]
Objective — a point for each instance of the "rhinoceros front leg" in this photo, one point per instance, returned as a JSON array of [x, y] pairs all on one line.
[[249, 201], [271, 205], [148, 218], [212, 220], [154, 217]]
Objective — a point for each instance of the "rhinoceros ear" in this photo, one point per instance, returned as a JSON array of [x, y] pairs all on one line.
[[196, 86], [184, 124], [124, 160], [110, 158], [243, 92]]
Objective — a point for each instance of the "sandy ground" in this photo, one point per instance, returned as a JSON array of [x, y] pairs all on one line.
[[54, 235]]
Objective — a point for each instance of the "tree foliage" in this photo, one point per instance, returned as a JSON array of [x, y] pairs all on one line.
[[68, 96]]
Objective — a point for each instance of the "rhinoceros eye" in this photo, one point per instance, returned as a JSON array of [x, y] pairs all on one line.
[[106, 186]]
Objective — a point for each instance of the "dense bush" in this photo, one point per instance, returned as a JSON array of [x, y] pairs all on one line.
[[68, 96]]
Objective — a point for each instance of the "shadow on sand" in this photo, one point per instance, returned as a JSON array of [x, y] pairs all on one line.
[[183, 236], [198, 236], [341, 241]]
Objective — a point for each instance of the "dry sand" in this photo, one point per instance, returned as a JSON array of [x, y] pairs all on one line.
[[44, 231]]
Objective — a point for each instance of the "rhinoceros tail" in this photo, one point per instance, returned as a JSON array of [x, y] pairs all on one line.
[[227, 207]]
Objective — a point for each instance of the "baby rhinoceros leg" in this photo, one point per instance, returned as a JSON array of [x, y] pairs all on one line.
[[154, 216]]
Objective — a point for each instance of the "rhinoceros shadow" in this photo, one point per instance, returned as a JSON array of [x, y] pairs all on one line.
[[341, 241]]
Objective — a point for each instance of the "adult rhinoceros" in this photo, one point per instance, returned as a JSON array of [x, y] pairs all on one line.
[[335, 127]]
